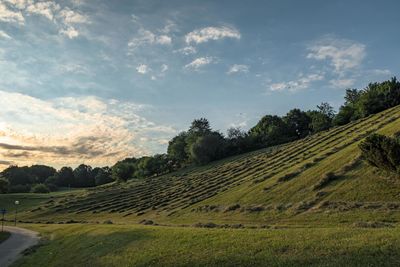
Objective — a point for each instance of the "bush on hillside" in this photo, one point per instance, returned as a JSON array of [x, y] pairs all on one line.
[[19, 188], [382, 152], [40, 188]]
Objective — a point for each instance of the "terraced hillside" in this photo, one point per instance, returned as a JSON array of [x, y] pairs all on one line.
[[289, 183]]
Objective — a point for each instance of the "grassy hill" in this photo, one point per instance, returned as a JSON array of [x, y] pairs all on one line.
[[312, 202], [283, 185]]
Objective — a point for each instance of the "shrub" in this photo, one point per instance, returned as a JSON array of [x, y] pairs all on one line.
[[40, 188], [19, 188], [382, 152]]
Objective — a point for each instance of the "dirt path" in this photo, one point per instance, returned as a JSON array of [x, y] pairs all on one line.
[[19, 240]]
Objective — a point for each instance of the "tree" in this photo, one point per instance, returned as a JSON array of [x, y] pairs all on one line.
[[326, 109], [345, 115], [270, 130], [207, 148], [122, 171], [200, 126], [41, 172], [65, 177], [102, 175], [18, 175], [51, 183], [176, 148], [40, 188], [352, 96], [298, 123], [83, 176], [4, 185]]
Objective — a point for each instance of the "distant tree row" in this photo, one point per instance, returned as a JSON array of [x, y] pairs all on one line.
[[43, 179], [200, 144]]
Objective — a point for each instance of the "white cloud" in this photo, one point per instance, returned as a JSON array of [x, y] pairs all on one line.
[[73, 130], [164, 67], [211, 33], [142, 69], [302, 83], [199, 62], [238, 68], [381, 72], [71, 17], [70, 32], [74, 68], [64, 18], [4, 35], [187, 50], [146, 37], [45, 9], [19, 4], [7, 15], [342, 54], [342, 83], [163, 40]]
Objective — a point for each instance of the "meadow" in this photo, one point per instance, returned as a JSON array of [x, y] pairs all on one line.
[[311, 202], [127, 245]]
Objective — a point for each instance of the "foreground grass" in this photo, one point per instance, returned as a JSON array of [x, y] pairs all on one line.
[[128, 245], [4, 236]]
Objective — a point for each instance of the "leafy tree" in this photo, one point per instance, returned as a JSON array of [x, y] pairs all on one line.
[[200, 126], [40, 188], [18, 175], [83, 176], [51, 183], [41, 172], [65, 177], [207, 148], [102, 175], [177, 148], [298, 123], [326, 109], [270, 130], [122, 171], [4, 184], [238, 141]]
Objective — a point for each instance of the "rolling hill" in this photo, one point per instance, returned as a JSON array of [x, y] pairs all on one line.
[[317, 180]]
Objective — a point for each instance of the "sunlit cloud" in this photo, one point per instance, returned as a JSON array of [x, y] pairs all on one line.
[[199, 62], [303, 82], [211, 33], [72, 130], [238, 68]]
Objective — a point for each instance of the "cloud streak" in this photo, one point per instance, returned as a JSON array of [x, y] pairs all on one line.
[[211, 33], [199, 62]]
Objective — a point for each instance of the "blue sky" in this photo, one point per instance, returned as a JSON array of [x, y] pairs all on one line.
[[96, 81]]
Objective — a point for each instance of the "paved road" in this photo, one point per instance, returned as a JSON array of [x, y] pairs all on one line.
[[19, 240]]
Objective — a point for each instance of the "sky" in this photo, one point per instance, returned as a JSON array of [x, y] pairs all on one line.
[[95, 81]]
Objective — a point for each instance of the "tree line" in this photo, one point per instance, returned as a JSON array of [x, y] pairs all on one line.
[[200, 144], [43, 179]]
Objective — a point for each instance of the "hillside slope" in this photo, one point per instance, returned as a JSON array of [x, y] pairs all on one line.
[[285, 185]]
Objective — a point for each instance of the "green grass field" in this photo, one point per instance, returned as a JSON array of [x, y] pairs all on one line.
[[123, 245], [288, 213]]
